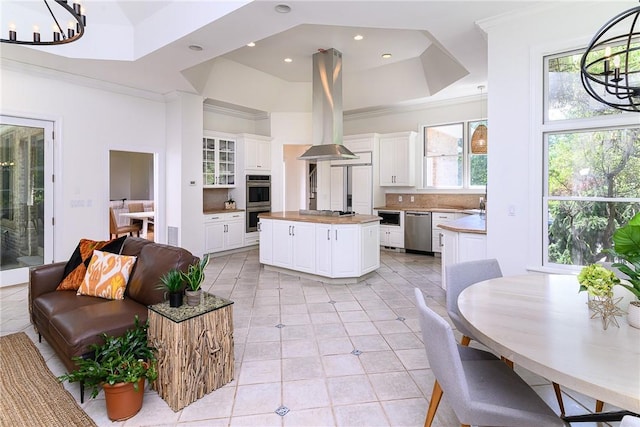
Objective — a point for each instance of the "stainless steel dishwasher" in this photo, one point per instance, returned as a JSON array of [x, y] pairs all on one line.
[[417, 231]]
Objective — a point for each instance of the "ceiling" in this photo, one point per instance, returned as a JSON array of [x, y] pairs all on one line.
[[438, 50]]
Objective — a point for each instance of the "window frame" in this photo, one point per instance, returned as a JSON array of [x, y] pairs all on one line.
[[466, 156], [549, 127]]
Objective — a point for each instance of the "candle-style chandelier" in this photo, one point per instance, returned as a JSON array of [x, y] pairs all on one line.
[[610, 67], [74, 29]]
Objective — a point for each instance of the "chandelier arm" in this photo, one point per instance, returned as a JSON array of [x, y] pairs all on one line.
[[80, 27], [619, 86], [54, 19]]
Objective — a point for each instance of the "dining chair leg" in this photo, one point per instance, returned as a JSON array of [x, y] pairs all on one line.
[[556, 389], [465, 340], [507, 361], [436, 395], [599, 405]]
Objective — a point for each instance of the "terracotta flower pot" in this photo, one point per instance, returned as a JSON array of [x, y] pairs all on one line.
[[122, 400]]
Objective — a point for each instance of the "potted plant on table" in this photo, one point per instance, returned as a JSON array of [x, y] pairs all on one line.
[[120, 366], [599, 281], [194, 277], [626, 248], [173, 282]]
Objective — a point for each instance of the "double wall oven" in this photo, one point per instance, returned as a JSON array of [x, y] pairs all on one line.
[[258, 199]]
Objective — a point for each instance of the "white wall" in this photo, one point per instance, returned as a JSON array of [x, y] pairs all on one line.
[[286, 128], [516, 47], [90, 122]]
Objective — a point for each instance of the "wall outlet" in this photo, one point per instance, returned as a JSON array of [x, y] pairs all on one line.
[[413, 199], [400, 198], [512, 210]]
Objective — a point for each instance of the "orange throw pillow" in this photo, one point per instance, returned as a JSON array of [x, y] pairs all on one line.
[[76, 267], [107, 275]]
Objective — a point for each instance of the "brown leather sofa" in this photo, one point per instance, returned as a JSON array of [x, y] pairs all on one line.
[[71, 323]]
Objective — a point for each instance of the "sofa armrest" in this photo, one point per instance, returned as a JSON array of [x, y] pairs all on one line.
[[44, 279]]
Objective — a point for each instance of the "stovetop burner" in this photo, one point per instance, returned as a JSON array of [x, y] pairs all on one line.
[[326, 212]]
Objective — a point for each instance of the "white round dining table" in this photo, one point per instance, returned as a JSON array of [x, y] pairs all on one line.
[[542, 323]]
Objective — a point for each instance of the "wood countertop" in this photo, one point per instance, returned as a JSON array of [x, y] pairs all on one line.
[[469, 224], [219, 211], [319, 219]]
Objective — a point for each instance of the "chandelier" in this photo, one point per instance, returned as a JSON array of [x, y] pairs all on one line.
[[610, 67], [74, 29]]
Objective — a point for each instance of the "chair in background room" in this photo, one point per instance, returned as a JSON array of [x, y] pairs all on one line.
[[459, 277], [136, 207], [481, 389], [115, 230]]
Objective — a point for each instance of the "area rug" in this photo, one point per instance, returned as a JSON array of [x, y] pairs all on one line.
[[30, 395]]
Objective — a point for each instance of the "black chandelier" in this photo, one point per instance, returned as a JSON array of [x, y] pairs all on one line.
[[74, 30], [610, 67]]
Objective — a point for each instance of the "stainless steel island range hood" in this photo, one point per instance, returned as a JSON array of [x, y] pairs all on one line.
[[326, 111]]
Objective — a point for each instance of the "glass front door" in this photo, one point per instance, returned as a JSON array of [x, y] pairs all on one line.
[[26, 152]]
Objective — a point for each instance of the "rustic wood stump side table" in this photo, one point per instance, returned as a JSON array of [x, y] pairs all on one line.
[[195, 349]]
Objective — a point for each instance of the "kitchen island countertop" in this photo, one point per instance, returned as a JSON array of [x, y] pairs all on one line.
[[468, 224], [319, 219]]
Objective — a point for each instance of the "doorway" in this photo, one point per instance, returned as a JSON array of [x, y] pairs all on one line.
[[132, 188], [26, 197]]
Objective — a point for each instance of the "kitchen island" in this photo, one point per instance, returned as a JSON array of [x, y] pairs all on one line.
[[339, 249], [464, 240]]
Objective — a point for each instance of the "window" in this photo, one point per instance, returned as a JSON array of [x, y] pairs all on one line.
[[592, 168], [449, 161]]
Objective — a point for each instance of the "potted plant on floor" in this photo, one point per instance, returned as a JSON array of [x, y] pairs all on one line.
[[626, 248], [173, 282], [120, 366], [194, 277]]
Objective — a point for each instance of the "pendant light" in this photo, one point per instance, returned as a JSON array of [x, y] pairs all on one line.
[[479, 137]]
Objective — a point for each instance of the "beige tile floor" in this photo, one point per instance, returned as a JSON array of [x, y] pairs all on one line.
[[344, 355]]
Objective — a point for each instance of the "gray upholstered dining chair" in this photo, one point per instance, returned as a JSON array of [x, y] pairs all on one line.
[[464, 274], [480, 388]]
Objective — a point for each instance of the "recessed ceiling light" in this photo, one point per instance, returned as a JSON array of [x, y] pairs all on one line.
[[251, 44], [195, 47], [386, 55], [283, 8], [358, 37], [287, 60]]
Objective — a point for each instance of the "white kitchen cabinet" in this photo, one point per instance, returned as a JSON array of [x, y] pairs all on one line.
[[257, 153], [462, 247], [293, 245], [437, 234], [347, 250], [218, 161], [329, 250], [223, 231], [265, 229], [337, 198], [397, 159], [391, 236], [362, 190]]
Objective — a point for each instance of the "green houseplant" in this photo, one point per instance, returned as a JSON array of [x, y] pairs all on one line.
[[194, 277], [626, 248], [173, 281], [120, 366]]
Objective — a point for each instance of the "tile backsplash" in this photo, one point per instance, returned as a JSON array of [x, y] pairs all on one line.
[[447, 201], [214, 198]]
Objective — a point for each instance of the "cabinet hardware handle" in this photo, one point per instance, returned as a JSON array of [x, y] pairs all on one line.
[[289, 230], [293, 230], [259, 226], [440, 238], [336, 235], [328, 234]]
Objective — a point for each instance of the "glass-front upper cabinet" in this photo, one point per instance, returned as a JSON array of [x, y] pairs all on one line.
[[218, 162]]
